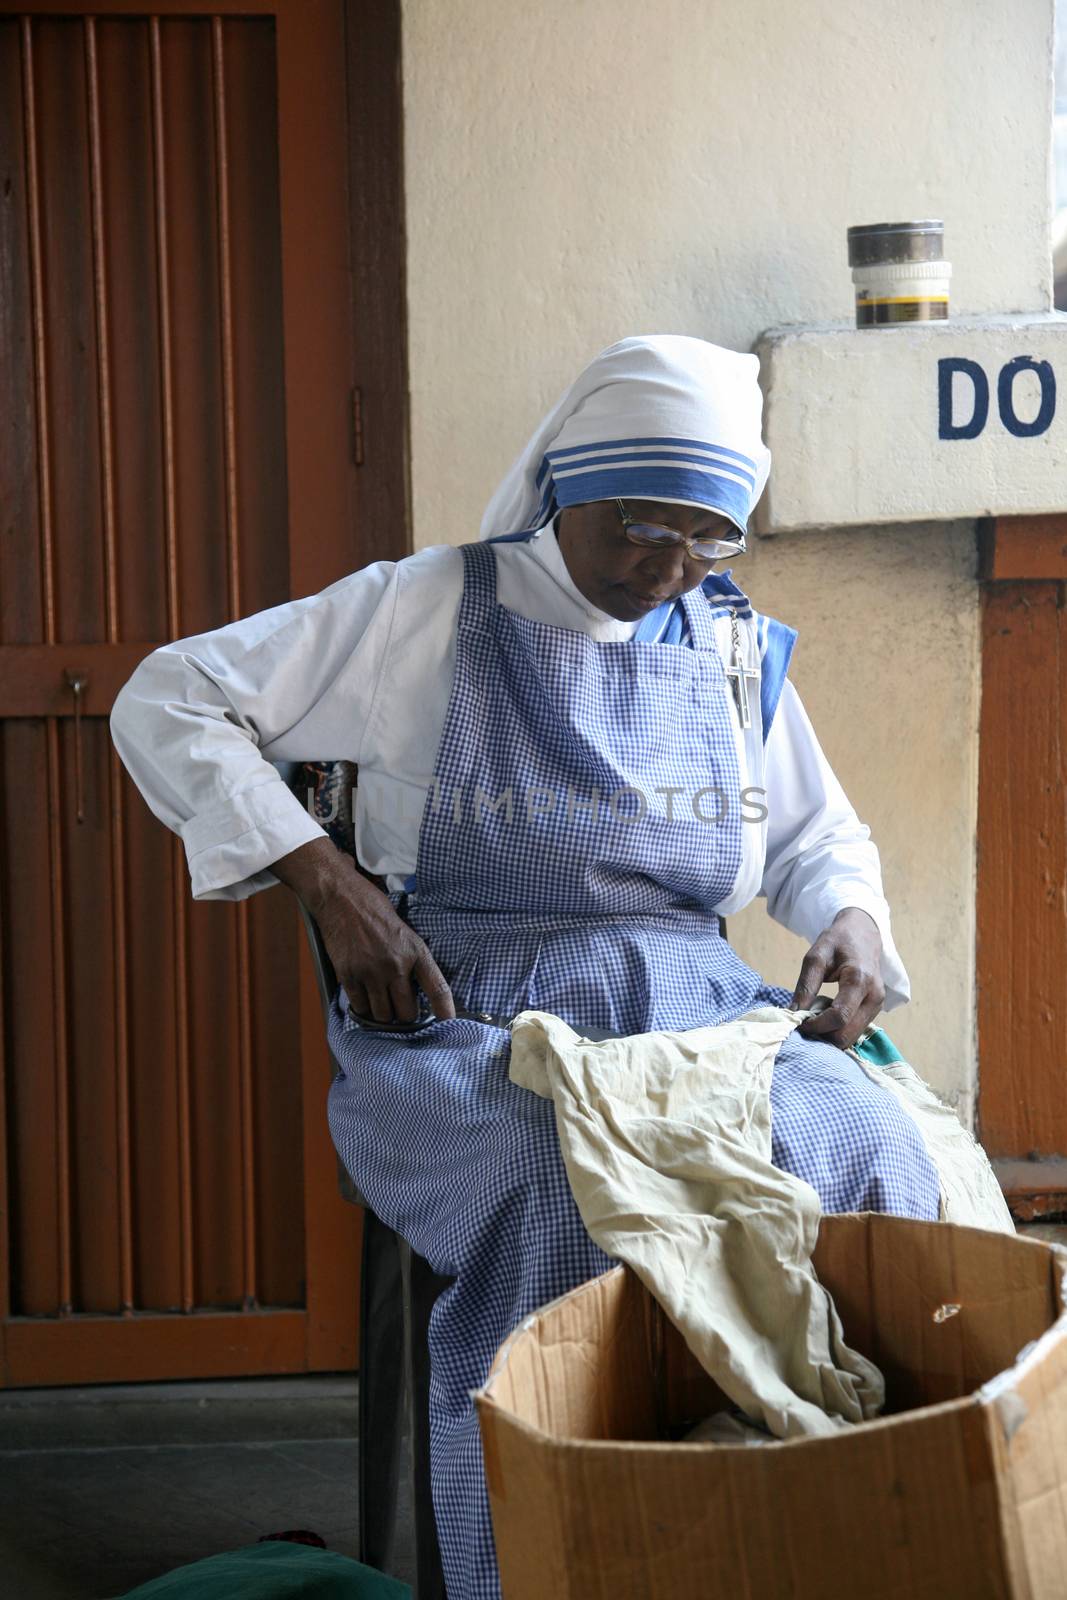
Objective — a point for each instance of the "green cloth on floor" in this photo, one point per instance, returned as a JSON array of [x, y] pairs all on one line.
[[275, 1570], [879, 1049]]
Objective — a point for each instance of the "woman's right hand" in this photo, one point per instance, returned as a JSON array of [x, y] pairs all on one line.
[[378, 959]]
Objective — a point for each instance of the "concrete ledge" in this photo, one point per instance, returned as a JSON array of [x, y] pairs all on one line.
[[918, 422]]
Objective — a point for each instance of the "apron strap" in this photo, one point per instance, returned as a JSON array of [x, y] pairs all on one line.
[[479, 586], [700, 614]]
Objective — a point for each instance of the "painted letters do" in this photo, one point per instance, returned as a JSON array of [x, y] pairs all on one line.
[[949, 428]]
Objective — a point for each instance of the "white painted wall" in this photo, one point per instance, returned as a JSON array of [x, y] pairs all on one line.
[[580, 170], [863, 429], [886, 665]]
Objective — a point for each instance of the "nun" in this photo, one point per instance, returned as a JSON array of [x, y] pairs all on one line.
[[578, 748]]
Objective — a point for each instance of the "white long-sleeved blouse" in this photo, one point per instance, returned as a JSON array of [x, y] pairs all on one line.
[[362, 672]]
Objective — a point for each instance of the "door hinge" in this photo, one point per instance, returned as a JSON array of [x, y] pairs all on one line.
[[357, 426]]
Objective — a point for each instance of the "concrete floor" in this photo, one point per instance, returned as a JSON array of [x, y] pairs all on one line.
[[104, 1488]]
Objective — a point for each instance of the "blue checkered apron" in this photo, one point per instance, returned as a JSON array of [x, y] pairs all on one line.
[[583, 822]]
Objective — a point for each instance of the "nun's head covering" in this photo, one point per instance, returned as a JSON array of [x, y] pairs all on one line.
[[658, 418]]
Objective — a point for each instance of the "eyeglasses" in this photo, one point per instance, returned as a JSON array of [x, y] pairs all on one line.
[[656, 537]]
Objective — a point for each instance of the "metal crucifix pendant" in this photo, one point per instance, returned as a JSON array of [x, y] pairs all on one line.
[[738, 674]]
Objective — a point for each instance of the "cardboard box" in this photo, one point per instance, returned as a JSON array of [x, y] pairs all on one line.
[[958, 1492]]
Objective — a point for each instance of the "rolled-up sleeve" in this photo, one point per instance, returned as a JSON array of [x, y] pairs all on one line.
[[820, 856], [200, 722]]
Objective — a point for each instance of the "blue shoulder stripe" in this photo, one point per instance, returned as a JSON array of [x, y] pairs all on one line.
[[776, 640], [722, 592]]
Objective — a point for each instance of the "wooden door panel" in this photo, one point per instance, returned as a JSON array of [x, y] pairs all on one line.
[[1022, 863], [155, 1163], [61, 256], [21, 598], [274, 969], [177, 360], [126, 229], [89, 1003], [29, 1042]]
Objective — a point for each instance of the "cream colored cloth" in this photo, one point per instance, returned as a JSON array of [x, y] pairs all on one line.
[[970, 1193], [666, 1139]]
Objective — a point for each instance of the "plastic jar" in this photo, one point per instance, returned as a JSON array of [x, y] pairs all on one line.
[[898, 272], [901, 291]]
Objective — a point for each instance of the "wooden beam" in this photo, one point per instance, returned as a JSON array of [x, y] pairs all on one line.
[[140, 1349], [1021, 548], [1022, 869], [379, 301], [158, 8], [34, 683]]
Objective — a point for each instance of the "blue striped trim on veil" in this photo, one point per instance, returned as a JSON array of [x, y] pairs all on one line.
[[687, 471]]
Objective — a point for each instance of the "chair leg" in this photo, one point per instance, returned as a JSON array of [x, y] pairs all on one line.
[[421, 1288], [382, 1377]]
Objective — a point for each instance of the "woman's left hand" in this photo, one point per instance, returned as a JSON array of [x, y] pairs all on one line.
[[848, 953]]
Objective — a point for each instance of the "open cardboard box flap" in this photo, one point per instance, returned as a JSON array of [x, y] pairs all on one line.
[[960, 1490]]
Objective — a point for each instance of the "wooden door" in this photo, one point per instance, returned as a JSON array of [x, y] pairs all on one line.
[[1022, 863], [190, 317]]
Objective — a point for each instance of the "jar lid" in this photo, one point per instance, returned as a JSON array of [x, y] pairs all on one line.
[[902, 271], [895, 241]]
